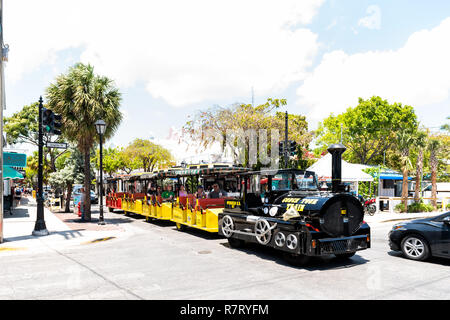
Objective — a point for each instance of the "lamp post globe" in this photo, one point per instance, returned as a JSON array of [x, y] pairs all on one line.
[[100, 126]]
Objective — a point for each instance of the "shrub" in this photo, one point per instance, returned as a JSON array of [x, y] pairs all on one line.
[[420, 207], [400, 207]]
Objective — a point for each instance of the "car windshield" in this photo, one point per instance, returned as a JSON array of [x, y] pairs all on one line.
[[294, 181], [441, 216]]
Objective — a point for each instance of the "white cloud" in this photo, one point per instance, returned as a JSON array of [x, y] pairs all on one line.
[[416, 74], [373, 18], [183, 51]]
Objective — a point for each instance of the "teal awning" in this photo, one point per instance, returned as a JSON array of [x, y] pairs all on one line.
[[10, 173]]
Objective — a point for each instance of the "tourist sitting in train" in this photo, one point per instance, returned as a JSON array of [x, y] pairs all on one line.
[[200, 194], [168, 193], [182, 192], [151, 194], [158, 191], [216, 192]]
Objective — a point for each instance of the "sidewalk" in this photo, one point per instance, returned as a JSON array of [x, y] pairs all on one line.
[[382, 217], [65, 230]]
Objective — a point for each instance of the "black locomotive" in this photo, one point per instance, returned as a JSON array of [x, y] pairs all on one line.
[[285, 209]]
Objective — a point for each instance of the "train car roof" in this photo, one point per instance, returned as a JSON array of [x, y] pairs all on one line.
[[273, 172], [200, 171]]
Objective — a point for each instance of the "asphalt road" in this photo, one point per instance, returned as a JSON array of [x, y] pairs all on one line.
[[159, 262]]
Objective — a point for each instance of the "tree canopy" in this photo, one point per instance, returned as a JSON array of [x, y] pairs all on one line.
[[244, 117], [146, 155], [368, 130], [81, 97]]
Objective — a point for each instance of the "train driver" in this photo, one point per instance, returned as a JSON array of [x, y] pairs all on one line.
[[216, 192]]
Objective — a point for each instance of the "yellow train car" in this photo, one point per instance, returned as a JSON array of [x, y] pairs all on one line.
[[185, 211]]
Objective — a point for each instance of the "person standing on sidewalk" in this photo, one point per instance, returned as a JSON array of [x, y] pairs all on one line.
[[82, 202]]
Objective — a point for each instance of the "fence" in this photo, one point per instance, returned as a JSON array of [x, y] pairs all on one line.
[[393, 201]]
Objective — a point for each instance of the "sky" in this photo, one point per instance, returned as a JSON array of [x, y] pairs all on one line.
[[172, 58]]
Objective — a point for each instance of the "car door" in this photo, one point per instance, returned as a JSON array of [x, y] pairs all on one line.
[[443, 243]]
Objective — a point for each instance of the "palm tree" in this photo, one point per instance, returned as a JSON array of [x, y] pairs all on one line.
[[82, 98], [434, 146], [405, 139], [421, 143]]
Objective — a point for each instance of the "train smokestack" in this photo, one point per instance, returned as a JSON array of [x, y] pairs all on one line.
[[336, 151]]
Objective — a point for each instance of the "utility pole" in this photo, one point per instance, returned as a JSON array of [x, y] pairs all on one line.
[[286, 147], [2, 98], [39, 228]]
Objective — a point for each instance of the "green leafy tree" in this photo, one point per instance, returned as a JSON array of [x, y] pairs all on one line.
[[420, 143], [246, 117], [112, 160], [81, 97], [406, 137], [22, 126], [147, 155], [367, 130], [70, 171], [434, 146]]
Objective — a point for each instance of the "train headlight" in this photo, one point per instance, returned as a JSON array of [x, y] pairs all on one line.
[[266, 210], [273, 211], [291, 241]]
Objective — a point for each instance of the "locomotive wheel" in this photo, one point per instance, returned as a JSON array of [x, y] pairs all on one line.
[[236, 243], [297, 260], [344, 255], [180, 227], [263, 233]]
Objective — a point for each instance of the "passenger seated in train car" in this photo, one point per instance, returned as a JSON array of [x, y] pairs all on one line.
[[168, 193], [216, 192], [150, 193], [200, 194], [158, 191], [182, 192]]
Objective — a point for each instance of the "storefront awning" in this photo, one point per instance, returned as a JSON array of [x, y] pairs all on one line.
[[11, 173], [386, 176]]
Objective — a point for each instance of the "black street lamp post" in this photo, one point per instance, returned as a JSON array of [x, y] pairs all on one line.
[[100, 125]]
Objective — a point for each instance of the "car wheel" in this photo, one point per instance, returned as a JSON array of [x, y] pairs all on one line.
[[297, 260], [415, 247], [110, 209], [236, 243], [344, 255]]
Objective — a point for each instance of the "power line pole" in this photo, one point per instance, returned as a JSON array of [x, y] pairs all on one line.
[[39, 228], [1, 120]]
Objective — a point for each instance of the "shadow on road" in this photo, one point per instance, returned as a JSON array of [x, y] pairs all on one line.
[[315, 263], [17, 213], [68, 235]]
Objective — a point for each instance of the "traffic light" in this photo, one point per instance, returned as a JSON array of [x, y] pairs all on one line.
[[293, 147], [51, 122], [281, 148]]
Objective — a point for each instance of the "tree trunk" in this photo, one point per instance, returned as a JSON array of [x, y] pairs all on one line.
[[433, 164], [87, 185], [68, 196], [405, 188], [419, 173]]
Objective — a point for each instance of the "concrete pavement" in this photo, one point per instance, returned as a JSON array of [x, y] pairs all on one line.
[[65, 230], [154, 261]]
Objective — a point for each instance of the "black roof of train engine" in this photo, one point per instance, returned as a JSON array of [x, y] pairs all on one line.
[[298, 218]]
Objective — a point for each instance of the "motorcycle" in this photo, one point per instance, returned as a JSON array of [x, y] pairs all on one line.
[[369, 205]]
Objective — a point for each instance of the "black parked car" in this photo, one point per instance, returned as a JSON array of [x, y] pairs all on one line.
[[422, 238]]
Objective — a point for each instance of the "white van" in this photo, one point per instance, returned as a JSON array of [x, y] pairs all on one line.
[[443, 190]]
